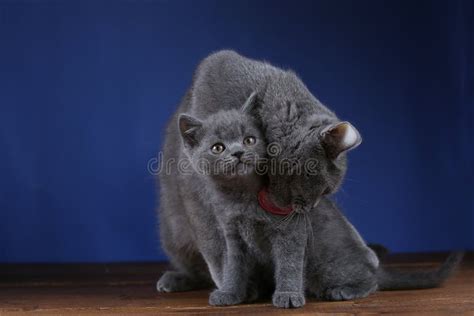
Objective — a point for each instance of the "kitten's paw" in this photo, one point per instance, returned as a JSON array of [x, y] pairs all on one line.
[[345, 293], [288, 299], [220, 298], [172, 281]]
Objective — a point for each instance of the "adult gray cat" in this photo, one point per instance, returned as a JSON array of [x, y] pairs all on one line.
[[338, 265]]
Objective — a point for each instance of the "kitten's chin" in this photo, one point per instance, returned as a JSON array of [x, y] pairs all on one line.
[[239, 171], [242, 170]]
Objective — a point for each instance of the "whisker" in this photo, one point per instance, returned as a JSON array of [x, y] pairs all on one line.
[[286, 220]]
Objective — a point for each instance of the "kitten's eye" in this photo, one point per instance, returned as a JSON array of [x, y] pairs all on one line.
[[217, 148], [249, 140]]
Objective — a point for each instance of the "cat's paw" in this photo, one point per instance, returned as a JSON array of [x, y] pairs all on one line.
[[172, 281], [345, 293], [221, 298], [288, 299]]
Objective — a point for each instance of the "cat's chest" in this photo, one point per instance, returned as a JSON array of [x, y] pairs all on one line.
[[246, 216], [253, 226], [253, 234]]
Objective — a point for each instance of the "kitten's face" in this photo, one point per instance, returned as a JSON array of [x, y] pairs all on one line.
[[226, 146]]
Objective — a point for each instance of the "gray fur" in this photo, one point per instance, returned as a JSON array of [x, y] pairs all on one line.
[[212, 227]]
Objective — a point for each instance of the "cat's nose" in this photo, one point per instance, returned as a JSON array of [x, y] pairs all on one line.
[[238, 154]]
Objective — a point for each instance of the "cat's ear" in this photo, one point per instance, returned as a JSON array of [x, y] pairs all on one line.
[[250, 104], [339, 137], [189, 128]]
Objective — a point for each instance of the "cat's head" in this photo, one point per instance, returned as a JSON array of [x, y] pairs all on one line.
[[226, 145], [313, 162], [312, 147]]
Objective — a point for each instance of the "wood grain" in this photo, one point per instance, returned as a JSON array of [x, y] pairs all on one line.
[[128, 289]]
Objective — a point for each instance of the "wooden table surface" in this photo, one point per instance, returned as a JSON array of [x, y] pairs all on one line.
[[129, 289]]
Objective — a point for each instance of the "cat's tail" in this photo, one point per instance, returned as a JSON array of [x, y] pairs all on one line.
[[392, 279]]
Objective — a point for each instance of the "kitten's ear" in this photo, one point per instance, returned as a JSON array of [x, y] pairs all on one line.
[[250, 104], [189, 128], [339, 137]]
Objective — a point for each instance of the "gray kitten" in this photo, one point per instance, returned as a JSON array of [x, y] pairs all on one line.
[[216, 153], [232, 144], [321, 252]]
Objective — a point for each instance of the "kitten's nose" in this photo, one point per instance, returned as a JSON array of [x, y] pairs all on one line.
[[238, 154]]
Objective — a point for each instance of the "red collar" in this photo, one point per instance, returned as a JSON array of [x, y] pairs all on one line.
[[269, 206]]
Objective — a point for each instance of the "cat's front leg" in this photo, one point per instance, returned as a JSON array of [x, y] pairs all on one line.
[[289, 255], [212, 253], [236, 272]]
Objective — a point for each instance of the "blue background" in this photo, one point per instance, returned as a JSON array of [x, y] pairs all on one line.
[[87, 87]]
